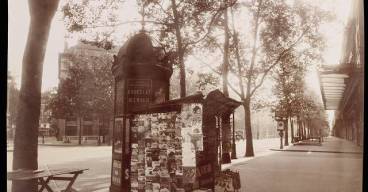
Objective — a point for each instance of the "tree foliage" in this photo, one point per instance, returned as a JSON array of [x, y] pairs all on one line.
[[87, 90], [92, 21], [181, 25], [276, 33], [280, 32]]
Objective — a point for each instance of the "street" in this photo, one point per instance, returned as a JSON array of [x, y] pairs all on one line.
[[276, 171], [96, 158]]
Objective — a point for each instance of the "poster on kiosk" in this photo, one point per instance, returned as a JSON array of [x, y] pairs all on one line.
[[158, 143]]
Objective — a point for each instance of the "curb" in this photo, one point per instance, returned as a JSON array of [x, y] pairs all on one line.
[[243, 160], [229, 165], [72, 145], [317, 151]]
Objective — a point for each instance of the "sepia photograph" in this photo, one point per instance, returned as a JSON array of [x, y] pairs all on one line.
[[185, 96]]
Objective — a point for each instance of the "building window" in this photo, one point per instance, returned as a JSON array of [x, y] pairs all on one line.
[[71, 119], [87, 130], [71, 130]]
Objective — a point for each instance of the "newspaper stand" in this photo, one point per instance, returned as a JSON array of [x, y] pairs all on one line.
[[142, 75], [161, 144]]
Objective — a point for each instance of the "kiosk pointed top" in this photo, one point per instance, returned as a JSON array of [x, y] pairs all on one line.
[[143, 14]]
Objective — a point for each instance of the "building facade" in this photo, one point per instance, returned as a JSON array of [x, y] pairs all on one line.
[[90, 127], [44, 122], [343, 86]]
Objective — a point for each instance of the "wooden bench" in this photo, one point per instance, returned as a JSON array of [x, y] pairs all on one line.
[[45, 176]]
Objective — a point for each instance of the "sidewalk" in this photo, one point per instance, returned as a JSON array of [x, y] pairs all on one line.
[[264, 147], [336, 165], [329, 145], [261, 148], [51, 141]]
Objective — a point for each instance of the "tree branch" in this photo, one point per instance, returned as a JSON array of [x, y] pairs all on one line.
[[254, 50], [123, 23], [214, 17], [219, 73], [165, 11], [275, 63]]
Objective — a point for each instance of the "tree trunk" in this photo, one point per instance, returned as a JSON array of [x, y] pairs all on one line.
[[226, 129], [180, 49], [286, 127], [225, 65], [292, 129], [249, 152], [300, 127], [99, 132], [303, 130], [26, 133], [80, 131]]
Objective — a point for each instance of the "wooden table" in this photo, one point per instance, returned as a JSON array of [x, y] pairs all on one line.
[[45, 176]]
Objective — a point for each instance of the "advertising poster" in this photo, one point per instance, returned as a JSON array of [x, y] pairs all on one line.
[[191, 132], [156, 158], [116, 172], [158, 143], [118, 144]]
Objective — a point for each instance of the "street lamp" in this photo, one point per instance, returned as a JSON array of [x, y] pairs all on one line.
[[280, 118]]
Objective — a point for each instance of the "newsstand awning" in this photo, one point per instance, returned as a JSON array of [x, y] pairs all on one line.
[[332, 83], [219, 104]]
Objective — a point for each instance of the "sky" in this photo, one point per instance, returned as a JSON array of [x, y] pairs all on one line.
[[19, 21]]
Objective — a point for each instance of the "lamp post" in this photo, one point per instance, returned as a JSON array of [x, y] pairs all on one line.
[[280, 128], [280, 118]]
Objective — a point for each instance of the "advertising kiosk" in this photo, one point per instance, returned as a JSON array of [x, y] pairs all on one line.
[[159, 144]]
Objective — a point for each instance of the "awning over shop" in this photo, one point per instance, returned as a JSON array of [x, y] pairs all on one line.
[[332, 83]]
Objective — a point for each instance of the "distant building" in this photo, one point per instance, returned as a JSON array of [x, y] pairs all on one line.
[[343, 86], [91, 127], [79, 50], [44, 123], [263, 124]]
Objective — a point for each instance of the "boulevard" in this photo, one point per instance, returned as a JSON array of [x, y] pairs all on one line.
[[296, 168]]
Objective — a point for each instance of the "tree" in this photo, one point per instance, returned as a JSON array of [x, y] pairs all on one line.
[[289, 78], [312, 112], [177, 26], [87, 90], [92, 22], [277, 29], [80, 99], [181, 26], [103, 98], [226, 129], [26, 133]]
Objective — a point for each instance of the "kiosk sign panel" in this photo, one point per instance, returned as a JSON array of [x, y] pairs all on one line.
[[139, 93]]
